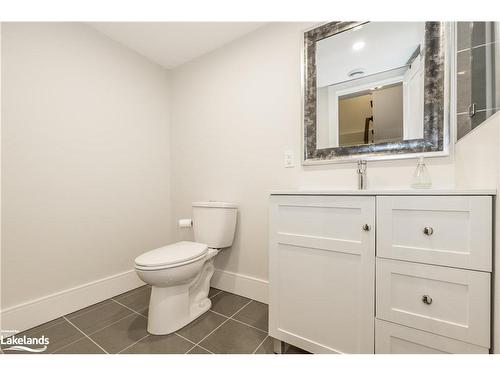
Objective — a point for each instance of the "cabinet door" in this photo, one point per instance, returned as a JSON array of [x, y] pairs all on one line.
[[322, 272]]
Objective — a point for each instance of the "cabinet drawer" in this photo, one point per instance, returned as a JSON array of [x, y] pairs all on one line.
[[451, 231], [456, 305], [393, 338]]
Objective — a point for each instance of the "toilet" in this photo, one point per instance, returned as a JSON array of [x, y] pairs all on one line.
[[180, 273]]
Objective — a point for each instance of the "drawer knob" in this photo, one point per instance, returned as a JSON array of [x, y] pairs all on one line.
[[427, 299], [428, 231], [366, 227]]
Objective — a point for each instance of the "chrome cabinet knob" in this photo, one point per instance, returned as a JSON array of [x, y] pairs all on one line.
[[428, 231], [366, 227], [427, 299]]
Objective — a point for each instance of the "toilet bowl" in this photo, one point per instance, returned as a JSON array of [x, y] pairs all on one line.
[[180, 273]]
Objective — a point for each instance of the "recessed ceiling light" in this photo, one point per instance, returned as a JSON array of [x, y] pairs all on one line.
[[356, 73], [358, 46]]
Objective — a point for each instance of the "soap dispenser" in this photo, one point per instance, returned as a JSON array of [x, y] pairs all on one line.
[[421, 178]]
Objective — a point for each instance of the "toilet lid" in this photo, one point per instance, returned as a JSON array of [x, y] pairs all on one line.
[[171, 254]]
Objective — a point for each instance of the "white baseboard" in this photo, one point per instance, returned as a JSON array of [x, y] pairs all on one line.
[[243, 285], [30, 314]]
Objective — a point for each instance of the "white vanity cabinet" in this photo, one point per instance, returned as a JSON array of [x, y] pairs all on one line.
[[356, 272]]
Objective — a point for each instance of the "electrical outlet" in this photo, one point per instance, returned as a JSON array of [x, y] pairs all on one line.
[[289, 159]]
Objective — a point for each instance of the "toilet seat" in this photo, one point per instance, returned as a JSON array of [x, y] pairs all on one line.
[[174, 255]]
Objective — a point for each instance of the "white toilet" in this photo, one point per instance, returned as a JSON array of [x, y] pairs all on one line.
[[180, 273]]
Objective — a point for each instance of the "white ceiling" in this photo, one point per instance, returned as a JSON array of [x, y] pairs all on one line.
[[171, 44], [387, 45]]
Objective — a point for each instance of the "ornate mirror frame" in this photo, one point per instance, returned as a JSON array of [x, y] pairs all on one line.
[[436, 102]]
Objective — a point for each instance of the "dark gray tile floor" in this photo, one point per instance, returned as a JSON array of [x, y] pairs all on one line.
[[234, 324]]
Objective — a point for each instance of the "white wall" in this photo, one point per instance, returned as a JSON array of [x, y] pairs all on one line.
[[478, 166], [85, 159], [234, 112]]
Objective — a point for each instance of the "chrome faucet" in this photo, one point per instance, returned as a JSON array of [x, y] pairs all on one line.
[[361, 174]]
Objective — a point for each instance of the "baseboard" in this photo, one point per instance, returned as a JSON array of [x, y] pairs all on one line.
[[30, 314], [243, 285]]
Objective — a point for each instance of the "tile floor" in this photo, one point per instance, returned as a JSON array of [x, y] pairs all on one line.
[[234, 324]]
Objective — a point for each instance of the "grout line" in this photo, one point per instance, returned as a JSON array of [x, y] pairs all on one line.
[[137, 290], [201, 347], [106, 326], [131, 292], [80, 312], [257, 348], [218, 313], [223, 323], [185, 338], [245, 305], [105, 351], [40, 327], [239, 321], [71, 343], [215, 329], [137, 312], [142, 338], [249, 325], [216, 294]]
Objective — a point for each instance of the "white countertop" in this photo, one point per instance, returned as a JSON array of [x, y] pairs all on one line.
[[401, 191]]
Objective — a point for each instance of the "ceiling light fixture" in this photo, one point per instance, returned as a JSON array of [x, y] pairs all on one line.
[[356, 73]]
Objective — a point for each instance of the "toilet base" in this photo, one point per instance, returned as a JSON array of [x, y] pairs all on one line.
[[173, 307], [169, 310]]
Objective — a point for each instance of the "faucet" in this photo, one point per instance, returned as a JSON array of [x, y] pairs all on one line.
[[361, 174]]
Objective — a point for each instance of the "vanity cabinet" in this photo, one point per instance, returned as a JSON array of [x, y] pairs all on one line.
[[393, 273]]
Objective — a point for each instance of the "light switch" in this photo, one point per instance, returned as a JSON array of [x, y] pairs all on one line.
[[289, 159]]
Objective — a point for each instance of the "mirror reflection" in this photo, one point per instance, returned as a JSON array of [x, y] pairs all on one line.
[[370, 84]]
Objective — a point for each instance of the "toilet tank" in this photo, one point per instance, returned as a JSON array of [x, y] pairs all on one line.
[[214, 223]]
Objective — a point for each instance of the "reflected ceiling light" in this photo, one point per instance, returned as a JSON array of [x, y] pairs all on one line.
[[461, 73], [358, 46]]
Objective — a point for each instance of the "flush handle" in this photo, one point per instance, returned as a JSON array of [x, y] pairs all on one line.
[[427, 299], [428, 231], [366, 227]]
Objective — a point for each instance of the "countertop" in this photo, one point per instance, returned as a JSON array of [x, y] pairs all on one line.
[[402, 191]]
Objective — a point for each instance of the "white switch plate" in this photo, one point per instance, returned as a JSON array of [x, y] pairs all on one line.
[[289, 159]]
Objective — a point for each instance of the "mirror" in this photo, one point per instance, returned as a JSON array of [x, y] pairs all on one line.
[[477, 74], [374, 89]]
